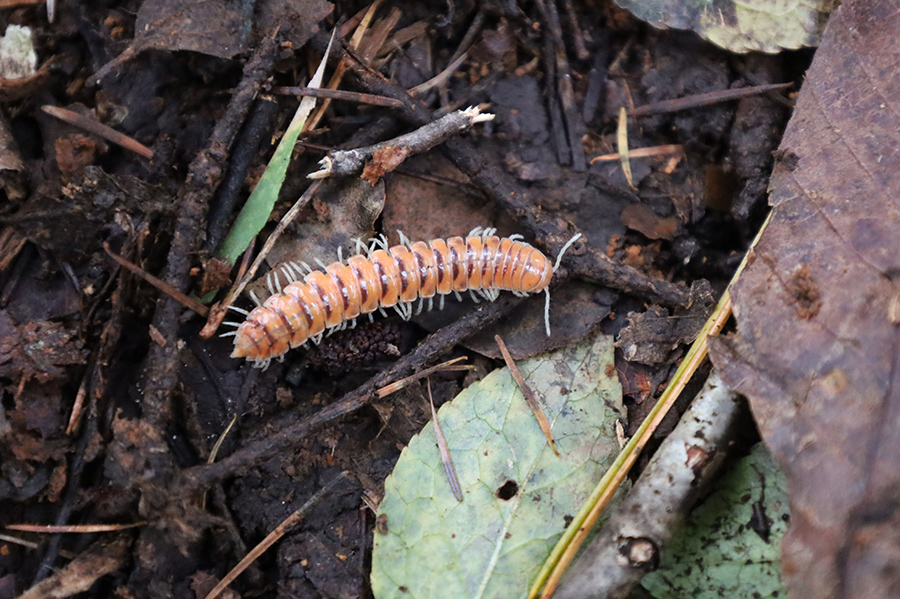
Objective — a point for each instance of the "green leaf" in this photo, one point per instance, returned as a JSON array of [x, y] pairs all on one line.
[[256, 210], [487, 546], [748, 25], [717, 553]]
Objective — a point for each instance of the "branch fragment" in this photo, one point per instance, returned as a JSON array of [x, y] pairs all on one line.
[[344, 163], [630, 542]]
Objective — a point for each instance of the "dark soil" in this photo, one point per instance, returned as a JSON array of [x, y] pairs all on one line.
[[193, 82]]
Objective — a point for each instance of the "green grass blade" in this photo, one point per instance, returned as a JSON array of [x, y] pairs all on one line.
[[256, 210]]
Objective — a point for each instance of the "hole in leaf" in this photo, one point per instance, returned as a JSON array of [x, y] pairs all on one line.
[[508, 490]]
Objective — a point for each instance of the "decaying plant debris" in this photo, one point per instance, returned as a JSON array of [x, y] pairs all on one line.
[[112, 402]]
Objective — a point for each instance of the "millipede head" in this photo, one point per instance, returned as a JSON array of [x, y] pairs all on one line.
[[245, 343]]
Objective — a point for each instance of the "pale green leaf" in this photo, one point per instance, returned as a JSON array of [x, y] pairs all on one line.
[[744, 26], [717, 553], [486, 546]]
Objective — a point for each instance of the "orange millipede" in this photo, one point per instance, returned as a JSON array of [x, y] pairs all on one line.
[[318, 301]]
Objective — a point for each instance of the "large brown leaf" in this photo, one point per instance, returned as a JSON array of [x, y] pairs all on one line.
[[818, 343]]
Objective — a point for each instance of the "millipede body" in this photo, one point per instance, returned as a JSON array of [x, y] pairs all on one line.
[[317, 301]]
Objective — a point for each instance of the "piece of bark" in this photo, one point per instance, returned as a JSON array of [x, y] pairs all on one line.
[[629, 544]]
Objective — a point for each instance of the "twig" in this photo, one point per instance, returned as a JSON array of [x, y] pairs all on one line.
[[528, 393], [581, 525], [577, 37], [286, 525], [97, 128], [471, 33], [338, 74], [344, 163], [405, 382], [645, 521], [72, 528], [181, 298], [441, 78], [4, 4], [338, 94], [204, 173], [705, 99], [650, 152], [102, 558], [245, 149], [446, 459], [67, 505], [574, 126]]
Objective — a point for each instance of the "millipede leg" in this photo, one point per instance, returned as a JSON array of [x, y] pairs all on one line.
[[547, 311], [563, 251], [288, 274]]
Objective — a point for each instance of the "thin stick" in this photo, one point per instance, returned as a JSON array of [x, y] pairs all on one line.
[[176, 295], [528, 393], [76, 528], [706, 99], [338, 74], [4, 4], [97, 128], [442, 367], [338, 94], [650, 152], [446, 460], [282, 529], [439, 79]]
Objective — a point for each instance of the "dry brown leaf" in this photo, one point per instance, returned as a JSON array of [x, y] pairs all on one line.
[[817, 349]]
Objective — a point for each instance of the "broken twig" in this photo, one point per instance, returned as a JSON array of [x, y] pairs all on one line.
[[343, 163], [97, 128], [446, 460], [528, 393], [660, 499]]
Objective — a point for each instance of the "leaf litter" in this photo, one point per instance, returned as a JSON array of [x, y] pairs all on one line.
[[817, 349]]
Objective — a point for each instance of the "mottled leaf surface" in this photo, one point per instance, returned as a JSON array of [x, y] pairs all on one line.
[[730, 545], [490, 544], [755, 25], [818, 344]]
